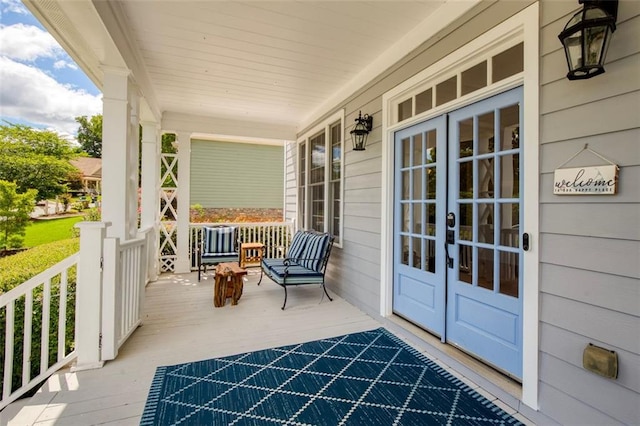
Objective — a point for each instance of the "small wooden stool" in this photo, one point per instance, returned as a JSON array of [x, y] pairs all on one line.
[[228, 283]]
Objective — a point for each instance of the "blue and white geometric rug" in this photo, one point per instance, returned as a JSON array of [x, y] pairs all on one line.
[[368, 378]]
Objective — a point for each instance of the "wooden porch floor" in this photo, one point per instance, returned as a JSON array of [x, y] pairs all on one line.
[[180, 324]]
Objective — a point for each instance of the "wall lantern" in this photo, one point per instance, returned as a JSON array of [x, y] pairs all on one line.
[[361, 131], [586, 38]]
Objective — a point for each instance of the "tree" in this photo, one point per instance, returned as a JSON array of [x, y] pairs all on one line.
[[14, 214], [90, 135], [35, 159]]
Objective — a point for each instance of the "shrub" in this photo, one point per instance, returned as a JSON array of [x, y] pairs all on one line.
[[16, 269]]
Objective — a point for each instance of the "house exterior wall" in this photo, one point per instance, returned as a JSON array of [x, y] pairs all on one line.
[[236, 175], [589, 245]]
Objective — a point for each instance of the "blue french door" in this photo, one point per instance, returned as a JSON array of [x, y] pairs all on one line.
[[457, 253], [419, 254]]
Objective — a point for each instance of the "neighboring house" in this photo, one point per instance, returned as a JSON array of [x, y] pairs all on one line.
[[236, 175], [448, 221], [91, 169]]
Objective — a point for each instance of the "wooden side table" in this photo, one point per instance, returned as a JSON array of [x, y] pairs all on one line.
[[251, 254], [228, 283]]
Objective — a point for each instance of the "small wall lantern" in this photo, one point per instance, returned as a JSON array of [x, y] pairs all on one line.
[[361, 131], [586, 38]]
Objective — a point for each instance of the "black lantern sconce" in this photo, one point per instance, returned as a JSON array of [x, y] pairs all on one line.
[[586, 38], [361, 131]]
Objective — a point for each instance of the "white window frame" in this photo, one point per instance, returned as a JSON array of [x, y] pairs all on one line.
[[304, 206]]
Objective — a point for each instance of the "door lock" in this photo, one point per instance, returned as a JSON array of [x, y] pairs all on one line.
[[451, 220]]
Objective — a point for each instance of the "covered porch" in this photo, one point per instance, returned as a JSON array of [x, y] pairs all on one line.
[[180, 324]]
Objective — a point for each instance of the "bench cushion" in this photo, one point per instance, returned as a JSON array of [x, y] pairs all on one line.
[[314, 251], [296, 274], [219, 242], [297, 245]]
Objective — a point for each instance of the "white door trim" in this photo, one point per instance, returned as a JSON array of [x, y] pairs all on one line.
[[524, 25]]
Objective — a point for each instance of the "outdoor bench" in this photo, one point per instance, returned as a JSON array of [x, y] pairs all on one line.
[[305, 262]]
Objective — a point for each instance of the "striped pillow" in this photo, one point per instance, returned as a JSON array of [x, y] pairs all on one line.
[[219, 240], [314, 251], [297, 245]]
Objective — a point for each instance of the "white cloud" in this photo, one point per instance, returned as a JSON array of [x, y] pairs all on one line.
[[13, 6], [30, 94], [27, 43], [64, 64]]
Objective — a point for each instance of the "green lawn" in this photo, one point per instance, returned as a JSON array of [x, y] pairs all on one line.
[[50, 230]]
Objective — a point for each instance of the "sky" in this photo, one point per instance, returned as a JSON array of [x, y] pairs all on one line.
[[40, 85]]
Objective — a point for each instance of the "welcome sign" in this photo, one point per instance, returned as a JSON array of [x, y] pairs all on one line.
[[596, 180]]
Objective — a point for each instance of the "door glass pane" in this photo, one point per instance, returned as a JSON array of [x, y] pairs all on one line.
[[405, 184], [405, 219], [510, 224], [406, 143], [485, 268], [474, 78], [466, 222], [417, 218], [404, 110], [465, 263], [485, 223], [431, 220], [417, 184], [447, 90], [424, 101], [466, 179], [430, 256], [431, 183], [486, 139], [465, 127], [485, 178], [417, 253], [510, 176], [430, 147], [509, 127], [509, 271], [417, 149], [404, 241]]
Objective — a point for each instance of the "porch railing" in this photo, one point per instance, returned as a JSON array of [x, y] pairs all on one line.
[[125, 269], [34, 330], [276, 236]]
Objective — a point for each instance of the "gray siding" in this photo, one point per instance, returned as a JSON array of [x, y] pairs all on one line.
[[354, 270], [590, 245], [236, 175]]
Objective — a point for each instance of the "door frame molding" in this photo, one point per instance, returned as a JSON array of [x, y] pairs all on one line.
[[524, 26]]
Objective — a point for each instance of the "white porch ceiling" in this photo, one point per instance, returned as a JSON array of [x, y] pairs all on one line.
[[277, 62]]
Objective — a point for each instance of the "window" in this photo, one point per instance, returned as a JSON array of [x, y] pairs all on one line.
[[320, 173]]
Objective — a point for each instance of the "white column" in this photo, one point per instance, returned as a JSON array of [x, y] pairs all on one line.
[[89, 295], [183, 264], [150, 184], [115, 152], [133, 162]]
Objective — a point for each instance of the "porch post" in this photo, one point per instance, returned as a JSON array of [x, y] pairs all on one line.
[[183, 264], [150, 215], [89, 295], [116, 149]]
